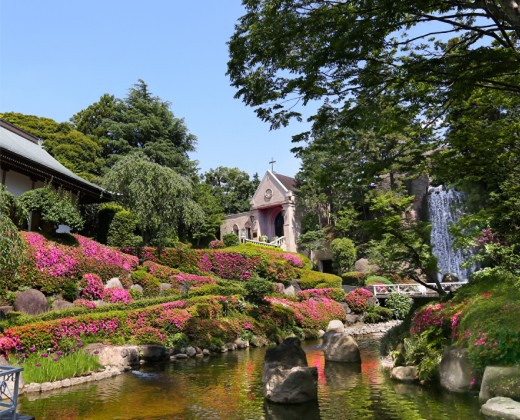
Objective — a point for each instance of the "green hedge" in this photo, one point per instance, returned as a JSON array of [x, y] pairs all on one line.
[[312, 279]]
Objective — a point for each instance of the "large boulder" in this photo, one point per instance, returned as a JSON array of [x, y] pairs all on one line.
[[500, 381], [287, 377], [31, 302], [340, 347], [122, 357], [336, 325], [114, 283], [405, 373], [60, 304], [501, 408], [364, 266], [456, 374]]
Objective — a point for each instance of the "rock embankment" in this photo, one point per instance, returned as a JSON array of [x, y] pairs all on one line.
[[377, 329]]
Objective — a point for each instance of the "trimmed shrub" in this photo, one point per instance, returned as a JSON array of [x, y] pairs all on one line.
[[344, 253], [122, 230], [336, 294], [377, 314], [257, 288], [354, 278], [92, 287], [150, 284], [230, 239], [106, 214], [399, 304], [216, 290], [12, 255], [377, 280], [310, 279], [216, 244]]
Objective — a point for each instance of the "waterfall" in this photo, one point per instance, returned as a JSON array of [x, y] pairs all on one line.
[[445, 208]]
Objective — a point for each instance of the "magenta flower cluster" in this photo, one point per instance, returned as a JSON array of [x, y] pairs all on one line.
[[103, 254], [487, 236], [216, 244], [92, 287], [292, 259], [117, 296], [317, 293], [427, 317], [358, 300], [84, 303], [229, 265], [49, 258], [193, 279]]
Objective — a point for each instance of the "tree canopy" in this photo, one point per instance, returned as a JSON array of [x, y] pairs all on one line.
[[286, 52], [141, 122], [161, 198]]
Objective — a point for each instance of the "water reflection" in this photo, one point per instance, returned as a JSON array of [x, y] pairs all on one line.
[[229, 386]]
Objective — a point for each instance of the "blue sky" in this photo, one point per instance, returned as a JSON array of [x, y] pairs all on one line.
[[59, 56]]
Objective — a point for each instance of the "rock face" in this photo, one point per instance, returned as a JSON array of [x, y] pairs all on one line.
[[137, 287], [122, 357], [31, 302], [364, 266], [501, 408], [287, 377], [336, 325], [60, 304], [405, 373], [114, 283], [340, 347], [500, 381], [455, 371]]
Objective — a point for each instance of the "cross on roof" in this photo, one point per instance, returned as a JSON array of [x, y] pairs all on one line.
[[272, 162]]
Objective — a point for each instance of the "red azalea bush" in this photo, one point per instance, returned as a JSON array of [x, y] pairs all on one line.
[[358, 300]]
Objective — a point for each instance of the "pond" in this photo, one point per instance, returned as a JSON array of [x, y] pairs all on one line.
[[229, 386]]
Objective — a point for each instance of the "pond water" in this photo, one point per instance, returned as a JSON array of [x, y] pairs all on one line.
[[229, 386]]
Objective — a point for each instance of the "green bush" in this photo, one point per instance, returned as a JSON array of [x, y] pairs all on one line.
[[150, 284], [354, 278], [377, 280], [122, 230], [344, 253], [311, 279], [105, 216], [12, 252], [377, 314], [55, 207], [217, 290], [230, 239], [399, 304], [257, 288]]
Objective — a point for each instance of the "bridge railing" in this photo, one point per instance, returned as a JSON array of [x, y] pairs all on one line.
[[277, 243], [414, 289], [9, 383]]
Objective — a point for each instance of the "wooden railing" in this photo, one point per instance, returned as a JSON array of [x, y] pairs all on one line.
[[277, 243], [412, 289]]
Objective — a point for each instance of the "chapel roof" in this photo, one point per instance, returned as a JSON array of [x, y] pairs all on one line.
[[287, 181], [23, 152]]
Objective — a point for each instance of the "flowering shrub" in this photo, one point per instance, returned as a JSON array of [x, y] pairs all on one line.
[[292, 259], [427, 317], [487, 236], [148, 335], [330, 293], [229, 265], [162, 272], [358, 300], [117, 296], [83, 303], [181, 256], [149, 283], [92, 287], [312, 314], [216, 244], [192, 280]]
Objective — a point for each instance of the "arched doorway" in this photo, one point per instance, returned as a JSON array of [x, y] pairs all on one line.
[[278, 224]]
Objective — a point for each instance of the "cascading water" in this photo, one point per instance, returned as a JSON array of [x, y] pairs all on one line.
[[445, 208]]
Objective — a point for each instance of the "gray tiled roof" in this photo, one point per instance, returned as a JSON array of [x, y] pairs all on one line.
[[29, 150], [287, 181]]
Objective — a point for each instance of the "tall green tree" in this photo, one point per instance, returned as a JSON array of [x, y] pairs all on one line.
[[140, 121], [162, 199], [233, 188], [76, 151]]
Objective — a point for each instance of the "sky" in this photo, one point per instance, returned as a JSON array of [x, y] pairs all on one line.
[[57, 57]]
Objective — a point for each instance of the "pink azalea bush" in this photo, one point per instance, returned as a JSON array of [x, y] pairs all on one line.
[[83, 303], [117, 296], [328, 292], [92, 287], [430, 316], [162, 272], [229, 265], [292, 259], [358, 300], [193, 280], [217, 244]]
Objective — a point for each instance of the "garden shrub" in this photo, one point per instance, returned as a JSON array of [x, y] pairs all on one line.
[[344, 253], [230, 239], [180, 257], [117, 296], [69, 290], [105, 216], [358, 300], [354, 278], [376, 313], [399, 304], [12, 255], [229, 265], [310, 279], [216, 290], [163, 273], [150, 284], [257, 288], [55, 207], [92, 287], [331, 293], [122, 230], [377, 280], [216, 244]]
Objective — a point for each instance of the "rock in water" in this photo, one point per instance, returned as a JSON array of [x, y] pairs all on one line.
[[455, 370], [287, 377], [340, 347], [501, 408]]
